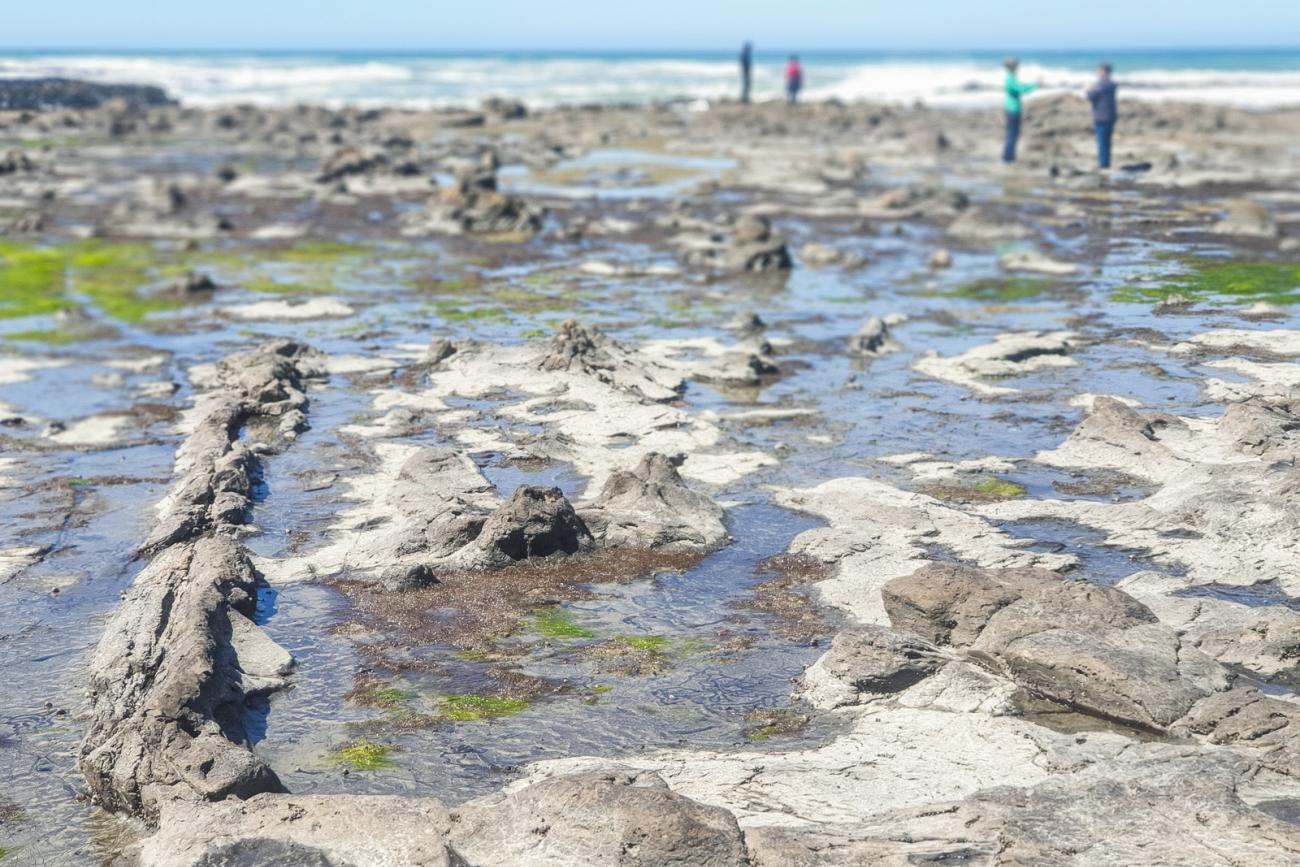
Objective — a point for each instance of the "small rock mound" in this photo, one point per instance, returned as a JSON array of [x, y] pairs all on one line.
[[1246, 219], [535, 522], [747, 245], [577, 349], [474, 205], [350, 161], [650, 506]]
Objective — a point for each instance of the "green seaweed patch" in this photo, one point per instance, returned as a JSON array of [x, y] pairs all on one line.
[[264, 283], [989, 490], [52, 336], [365, 755], [1001, 289], [4, 853], [766, 723], [473, 655], [555, 622], [657, 644], [1207, 279], [600, 688], [452, 312], [469, 707], [41, 280]]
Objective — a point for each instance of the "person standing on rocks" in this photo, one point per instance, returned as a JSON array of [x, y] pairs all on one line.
[[746, 70], [1104, 112], [1014, 91], [793, 79]]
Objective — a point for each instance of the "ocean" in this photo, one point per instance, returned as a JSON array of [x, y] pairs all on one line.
[[1262, 78]]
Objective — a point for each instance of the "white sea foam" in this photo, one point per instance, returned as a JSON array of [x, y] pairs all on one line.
[[426, 81]]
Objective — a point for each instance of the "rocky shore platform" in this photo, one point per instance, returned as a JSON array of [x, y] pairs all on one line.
[[734, 487]]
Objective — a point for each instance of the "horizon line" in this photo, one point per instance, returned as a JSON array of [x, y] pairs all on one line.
[[658, 50]]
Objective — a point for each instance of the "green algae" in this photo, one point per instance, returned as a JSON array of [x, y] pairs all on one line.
[[1217, 279], [454, 312], [55, 336], [769, 723], [469, 707], [555, 622], [263, 283], [44, 280], [998, 289], [600, 688], [1000, 488], [989, 490], [655, 644], [365, 755]]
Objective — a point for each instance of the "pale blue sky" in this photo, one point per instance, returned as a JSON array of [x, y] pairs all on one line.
[[649, 24]]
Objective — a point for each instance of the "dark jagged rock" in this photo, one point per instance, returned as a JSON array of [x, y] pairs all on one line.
[[535, 522], [37, 94], [15, 161], [350, 161], [474, 205], [169, 682]]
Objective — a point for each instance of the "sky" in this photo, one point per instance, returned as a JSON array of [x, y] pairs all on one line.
[[648, 24]]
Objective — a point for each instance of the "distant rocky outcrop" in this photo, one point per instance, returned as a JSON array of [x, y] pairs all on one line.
[[36, 94]]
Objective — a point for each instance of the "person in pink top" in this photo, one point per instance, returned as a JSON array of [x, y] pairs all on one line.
[[793, 79]]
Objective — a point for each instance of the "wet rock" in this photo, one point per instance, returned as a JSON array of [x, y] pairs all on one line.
[[504, 109], [440, 349], [577, 348], [917, 201], [650, 506], [189, 285], [939, 259], [985, 226], [169, 681], [817, 255], [873, 338], [38, 94], [748, 245], [621, 818], [1037, 263], [264, 387], [16, 161], [746, 324], [1008, 355], [31, 223], [1246, 219], [407, 576], [474, 205], [1089, 647], [350, 161], [754, 247], [535, 522]]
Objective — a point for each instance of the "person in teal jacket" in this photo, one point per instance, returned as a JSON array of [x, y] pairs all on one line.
[[1015, 90]]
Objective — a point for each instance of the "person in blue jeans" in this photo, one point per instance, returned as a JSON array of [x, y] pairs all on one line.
[[1014, 91], [1104, 112]]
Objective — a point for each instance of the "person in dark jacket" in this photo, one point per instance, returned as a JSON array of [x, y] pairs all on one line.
[[793, 79], [746, 70], [1104, 112]]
